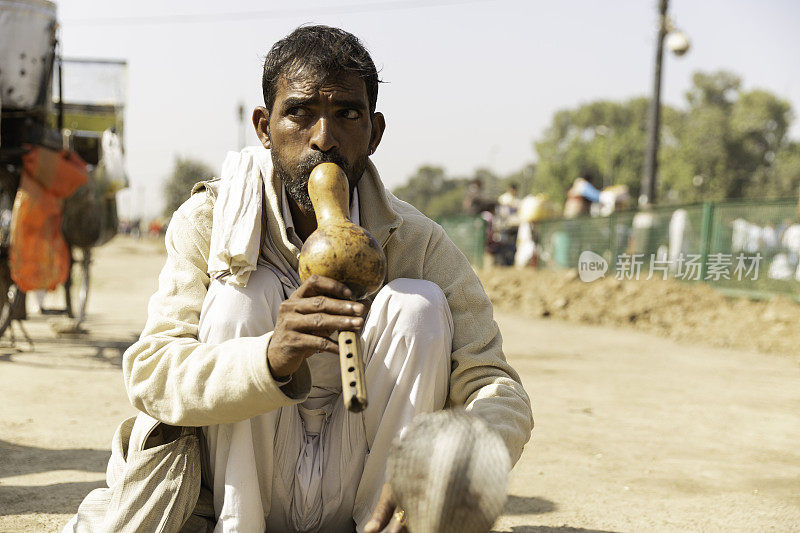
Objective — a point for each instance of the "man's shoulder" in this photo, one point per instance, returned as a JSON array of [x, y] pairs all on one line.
[[197, 212], [210, 188], [418, 236], [414, 221]]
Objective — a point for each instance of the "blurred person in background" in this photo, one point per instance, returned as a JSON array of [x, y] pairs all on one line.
[[474, 201], [509, 200], [581, 196], [505, 227]]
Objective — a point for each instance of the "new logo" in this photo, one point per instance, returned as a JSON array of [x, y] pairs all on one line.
[[591, 266]]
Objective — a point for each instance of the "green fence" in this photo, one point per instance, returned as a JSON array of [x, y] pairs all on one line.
[[769, 229], [468, 233], [741, 247]]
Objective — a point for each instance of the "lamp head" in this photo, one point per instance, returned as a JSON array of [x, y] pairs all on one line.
[[678, 43]]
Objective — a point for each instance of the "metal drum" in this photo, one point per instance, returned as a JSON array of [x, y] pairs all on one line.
[[27, 28]]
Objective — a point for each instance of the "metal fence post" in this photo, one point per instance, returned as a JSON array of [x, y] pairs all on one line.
[[612, 241], [480, 242], [705, 237]]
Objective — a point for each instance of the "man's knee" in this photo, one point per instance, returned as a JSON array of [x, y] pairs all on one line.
[[417, 308]]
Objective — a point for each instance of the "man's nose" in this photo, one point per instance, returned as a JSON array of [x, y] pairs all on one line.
[[322, 136]]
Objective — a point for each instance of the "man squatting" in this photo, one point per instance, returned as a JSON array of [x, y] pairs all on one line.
[[253, 362]]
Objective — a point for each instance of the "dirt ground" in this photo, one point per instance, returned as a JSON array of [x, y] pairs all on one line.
[[635, 430], [692, 312]]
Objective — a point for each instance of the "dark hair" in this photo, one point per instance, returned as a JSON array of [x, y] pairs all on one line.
[[322, 51]]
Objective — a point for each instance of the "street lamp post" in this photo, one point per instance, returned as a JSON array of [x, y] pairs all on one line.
[[679, 45], [605, 132], [240, 114]]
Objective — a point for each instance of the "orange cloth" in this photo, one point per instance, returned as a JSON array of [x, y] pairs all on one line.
[[39, 257], [60, 173]]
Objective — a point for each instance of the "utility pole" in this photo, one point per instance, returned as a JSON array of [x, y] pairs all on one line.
[[678, 43], [648, 192]]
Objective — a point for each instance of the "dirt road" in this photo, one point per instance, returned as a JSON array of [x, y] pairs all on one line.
[[634, 432]]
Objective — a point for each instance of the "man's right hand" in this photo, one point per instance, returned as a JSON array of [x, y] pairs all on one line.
[[306, 320]]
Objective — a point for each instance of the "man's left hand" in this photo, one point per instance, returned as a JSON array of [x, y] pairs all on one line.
[[385, 514]]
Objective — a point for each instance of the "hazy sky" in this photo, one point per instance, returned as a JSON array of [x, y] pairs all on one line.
[[470, 84]]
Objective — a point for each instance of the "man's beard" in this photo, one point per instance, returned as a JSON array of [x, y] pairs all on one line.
[[296, 182]]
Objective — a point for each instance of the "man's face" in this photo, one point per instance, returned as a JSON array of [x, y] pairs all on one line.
[[314, 121]]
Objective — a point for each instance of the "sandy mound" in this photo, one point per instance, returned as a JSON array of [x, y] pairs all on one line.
[[693, 312]]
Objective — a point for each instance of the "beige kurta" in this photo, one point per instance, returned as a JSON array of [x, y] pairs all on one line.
[[174, 377]]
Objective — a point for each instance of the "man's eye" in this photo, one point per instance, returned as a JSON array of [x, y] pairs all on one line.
[[297, 111], [351, 114]]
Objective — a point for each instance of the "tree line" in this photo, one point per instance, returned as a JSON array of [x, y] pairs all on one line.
[[725, 143]]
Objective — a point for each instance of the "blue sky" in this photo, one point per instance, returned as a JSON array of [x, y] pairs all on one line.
[[470, 83]]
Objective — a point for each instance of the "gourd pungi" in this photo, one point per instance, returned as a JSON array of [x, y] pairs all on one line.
[[343, 251]]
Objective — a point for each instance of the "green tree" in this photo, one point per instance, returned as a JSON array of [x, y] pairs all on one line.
[[604, 138], [729, 143], [523, 178], [432, 192], [726, 143], [785, 172], [178, 186]]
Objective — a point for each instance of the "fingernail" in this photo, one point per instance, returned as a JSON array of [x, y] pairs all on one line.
[[347, 292], [372, 525]]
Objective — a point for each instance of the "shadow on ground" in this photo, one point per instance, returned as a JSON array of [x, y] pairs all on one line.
[[107, 351], [55, 498], [522, 505], [516, 505], [58, 498], [18, 460]]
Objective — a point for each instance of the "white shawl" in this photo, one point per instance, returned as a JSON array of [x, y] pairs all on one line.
[[236, 223]]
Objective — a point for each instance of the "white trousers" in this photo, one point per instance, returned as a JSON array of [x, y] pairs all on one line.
[[322, 469]]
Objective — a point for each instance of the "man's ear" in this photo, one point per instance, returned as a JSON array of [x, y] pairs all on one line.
[[378, 127], [261, 124]]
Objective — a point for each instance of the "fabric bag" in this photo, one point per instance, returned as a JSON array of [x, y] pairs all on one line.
[[59, 172], [38, 256], [150, 490]]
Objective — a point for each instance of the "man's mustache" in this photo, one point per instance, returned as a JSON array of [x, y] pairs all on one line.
[[305, 166]]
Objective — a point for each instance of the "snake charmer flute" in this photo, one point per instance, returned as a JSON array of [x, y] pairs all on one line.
[[343, 251]]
